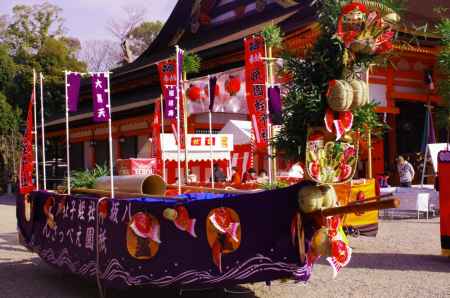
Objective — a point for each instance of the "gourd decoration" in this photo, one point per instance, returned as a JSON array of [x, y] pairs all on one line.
[[316, 197], [360, 93], [339, 95]]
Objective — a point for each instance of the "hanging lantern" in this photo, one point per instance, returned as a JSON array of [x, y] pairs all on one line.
[[233, 85], [194, 92]]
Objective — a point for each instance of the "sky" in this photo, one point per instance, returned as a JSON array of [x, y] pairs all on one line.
[[88, 19]]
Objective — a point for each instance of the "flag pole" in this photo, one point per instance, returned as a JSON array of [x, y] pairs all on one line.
[[36, 156], [210, 134], [269, 146], [185, 129], [44, 170], [177, 48], [67, 136], [162, 138], [111, 169]]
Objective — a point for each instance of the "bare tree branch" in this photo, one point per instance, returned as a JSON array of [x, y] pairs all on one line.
[[101, 55], [120, 28]]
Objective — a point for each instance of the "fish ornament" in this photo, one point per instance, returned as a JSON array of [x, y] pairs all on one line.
[[227, 230], [181, 219], [144, 227]]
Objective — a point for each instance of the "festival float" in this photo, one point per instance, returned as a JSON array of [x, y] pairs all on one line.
[[126, 231]]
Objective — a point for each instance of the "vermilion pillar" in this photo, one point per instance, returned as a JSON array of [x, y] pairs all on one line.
[[444, 199]]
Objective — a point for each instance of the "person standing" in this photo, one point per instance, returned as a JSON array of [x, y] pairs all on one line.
[[405, 172], [235, 177], [219, 176]]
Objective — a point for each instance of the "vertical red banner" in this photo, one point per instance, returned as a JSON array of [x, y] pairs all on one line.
[[444, 199], [168, 78], [27, 161], [255, 83], [156, 135]]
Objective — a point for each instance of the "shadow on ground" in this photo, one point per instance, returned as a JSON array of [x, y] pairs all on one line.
[[408, 262], [8, 199], [45, 281]]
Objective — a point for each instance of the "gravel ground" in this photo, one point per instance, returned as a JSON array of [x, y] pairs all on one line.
[[402, 261]]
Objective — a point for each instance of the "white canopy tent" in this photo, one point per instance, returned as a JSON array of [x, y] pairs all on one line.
[[241, 131], [198, 147]]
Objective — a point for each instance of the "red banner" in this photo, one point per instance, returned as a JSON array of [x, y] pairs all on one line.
[[27, 161], [168, 77], [156, 135], [137, 166], [255, 80]]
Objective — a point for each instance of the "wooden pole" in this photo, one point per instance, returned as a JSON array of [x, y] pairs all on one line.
[[44, 170], [67, 135], [369, 133], [178, 121], [111, 166], [386, 204], [36, 155], [162, 138], [185, 128], [369, 153]]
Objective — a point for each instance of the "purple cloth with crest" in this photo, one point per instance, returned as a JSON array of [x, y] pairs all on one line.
[[266, 251], [100, 98], [275, 104], [73, 90], [212, 92], [170, 102]]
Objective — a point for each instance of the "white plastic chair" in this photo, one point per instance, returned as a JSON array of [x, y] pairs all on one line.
[[422, 203]]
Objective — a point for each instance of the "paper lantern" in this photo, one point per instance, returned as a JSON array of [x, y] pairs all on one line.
[[233, 85], [194, 92]]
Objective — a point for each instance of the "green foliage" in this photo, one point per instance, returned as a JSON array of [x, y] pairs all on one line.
[[443, 61], [34, 40], [191, 63], [10, 137], [143, 35], [87, 178], [304, 105], [365, 118], [274, 185], [272, 36]]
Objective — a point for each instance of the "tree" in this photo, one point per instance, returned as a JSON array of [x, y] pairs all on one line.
[[138, 34], [100, 55], [35, 39], [143, 35], [10, 137], [32, 25]]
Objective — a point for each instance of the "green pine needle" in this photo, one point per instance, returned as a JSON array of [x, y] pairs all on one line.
[[191, 63], [273, 36]]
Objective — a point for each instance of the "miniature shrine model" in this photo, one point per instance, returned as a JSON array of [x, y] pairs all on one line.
[[148, 223]]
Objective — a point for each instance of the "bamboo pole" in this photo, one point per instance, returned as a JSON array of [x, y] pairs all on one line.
[[118, 194], [386, 204], [185, 129], [215, 190], [268, 84]]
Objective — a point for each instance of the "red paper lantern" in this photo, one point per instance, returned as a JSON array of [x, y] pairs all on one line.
[[194, 92], [233, 85]]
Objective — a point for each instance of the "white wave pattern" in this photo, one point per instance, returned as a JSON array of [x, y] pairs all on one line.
[[246, 270], [64, 260], [114, 270]]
